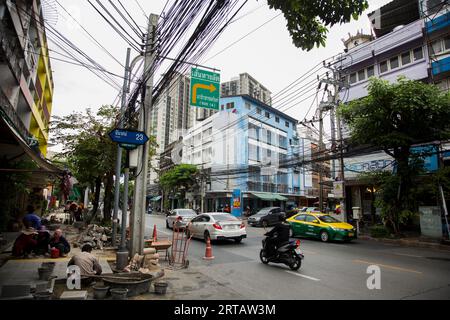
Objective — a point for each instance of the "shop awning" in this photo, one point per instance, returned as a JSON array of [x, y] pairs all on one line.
[[45, 165], [269, 196]]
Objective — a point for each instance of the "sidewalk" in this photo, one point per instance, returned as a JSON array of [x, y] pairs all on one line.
[[418, 242]]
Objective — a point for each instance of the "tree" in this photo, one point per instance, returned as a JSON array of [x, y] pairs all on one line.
[[394, 117], [180, 179], [307, 20], [89, 152]]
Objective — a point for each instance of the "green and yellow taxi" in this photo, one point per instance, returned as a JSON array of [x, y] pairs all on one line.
[[321, 226]]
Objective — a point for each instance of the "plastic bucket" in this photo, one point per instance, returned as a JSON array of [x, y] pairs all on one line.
[[54, 253], [100, 292], [161, 287], [43, 296], [119, 293], [48, 265], [44, 273]]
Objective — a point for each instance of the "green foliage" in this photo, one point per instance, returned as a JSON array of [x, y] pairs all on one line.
[[307, 20], [400, 114], [182, 177], [88, 150], [379, 232], [394, 117], [12, 186]]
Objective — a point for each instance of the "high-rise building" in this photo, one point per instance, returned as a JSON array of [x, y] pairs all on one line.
[[246, 84], [171, 117]]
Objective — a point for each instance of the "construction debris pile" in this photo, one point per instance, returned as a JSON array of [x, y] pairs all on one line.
[[98, 237], [147, 263]]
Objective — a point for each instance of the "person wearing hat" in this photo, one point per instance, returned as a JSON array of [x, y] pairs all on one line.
[[86, 261], [25, 243]]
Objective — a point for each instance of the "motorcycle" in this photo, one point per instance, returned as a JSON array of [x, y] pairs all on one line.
[[289, 254]]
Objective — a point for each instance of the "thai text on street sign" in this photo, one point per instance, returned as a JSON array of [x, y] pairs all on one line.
[[205, 89], [128, 137]]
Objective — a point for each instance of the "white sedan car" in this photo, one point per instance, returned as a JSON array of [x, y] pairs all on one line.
[[217, 226], [183, 216]]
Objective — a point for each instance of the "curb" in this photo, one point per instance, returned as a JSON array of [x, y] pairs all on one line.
[[408, 243]]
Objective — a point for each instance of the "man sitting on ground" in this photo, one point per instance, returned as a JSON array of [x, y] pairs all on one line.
[[25, 243], [60, 243], [86, 261]]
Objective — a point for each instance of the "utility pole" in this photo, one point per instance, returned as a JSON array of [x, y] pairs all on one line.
[[122, 254], [119, 151], [320, 153], [137, 220], [335, 118]]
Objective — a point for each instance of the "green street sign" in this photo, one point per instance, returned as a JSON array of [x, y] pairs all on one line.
[[205, 89]]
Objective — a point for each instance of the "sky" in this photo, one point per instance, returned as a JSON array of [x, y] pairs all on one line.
[[268, 54]]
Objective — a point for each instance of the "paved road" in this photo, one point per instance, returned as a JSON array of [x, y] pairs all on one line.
[[329, 271]]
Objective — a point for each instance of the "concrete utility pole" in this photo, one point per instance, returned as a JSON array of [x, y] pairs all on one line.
[[335, 118], [119, 151], [137, 219], [320, 153]]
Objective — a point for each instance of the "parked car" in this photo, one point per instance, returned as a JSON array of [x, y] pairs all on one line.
[[217, 226], [311, 209], [185, 215], [266, 217], [321, 226], [291, 210]]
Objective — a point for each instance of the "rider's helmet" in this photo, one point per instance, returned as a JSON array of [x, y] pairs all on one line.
[[281, 217]]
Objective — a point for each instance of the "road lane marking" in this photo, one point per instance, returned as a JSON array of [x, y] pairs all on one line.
[[387, 266], [303, 276], [309, 252]]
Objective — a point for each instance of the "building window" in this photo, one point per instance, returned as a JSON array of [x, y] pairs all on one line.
[[287, 124], [248, 106], [353, 78], [370, 72], [277, 119], [394, 63], [222, 107], [383, 67], [436, 47], [267, 115], [230, 105], [433, 6], [269, 137], [418, 54], [406, 58], [258, 110], [362, 75], [447, 43]]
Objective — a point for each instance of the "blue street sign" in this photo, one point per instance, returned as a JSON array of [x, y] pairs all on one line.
[[128, 137]]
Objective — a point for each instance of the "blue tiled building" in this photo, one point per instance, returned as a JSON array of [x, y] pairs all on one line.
[[247, 146]]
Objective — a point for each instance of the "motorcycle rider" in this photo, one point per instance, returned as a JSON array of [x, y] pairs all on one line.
[[278, 236]]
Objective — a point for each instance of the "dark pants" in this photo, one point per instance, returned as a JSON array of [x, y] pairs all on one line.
[[271, 246], [62, 249]]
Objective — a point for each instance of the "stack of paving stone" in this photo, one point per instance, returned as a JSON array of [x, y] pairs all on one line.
[[98, 237]]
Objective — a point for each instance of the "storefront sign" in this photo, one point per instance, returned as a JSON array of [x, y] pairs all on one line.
[[236, 203]]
